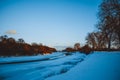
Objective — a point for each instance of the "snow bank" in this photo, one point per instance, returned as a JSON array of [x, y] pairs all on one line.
[[58, 63], [97, 66], [24, 59]]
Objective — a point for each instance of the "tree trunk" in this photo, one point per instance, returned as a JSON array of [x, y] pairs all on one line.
[[109, 45], [109, 42]]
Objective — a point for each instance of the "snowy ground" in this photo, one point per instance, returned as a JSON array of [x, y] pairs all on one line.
[[75, 66], [38, 67], [97, 66]]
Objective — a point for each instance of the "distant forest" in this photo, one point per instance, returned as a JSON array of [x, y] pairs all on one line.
[[12, 47], [106, 37]]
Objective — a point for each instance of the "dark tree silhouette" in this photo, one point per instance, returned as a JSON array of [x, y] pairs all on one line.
[[108, 27], [96, 40], [77, 46], [91, 40], [21, 40], [109, 20]]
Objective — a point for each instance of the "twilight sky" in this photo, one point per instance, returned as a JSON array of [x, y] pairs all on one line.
[[51, 22]]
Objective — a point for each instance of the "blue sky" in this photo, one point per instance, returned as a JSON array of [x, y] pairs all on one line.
[[51, 22]]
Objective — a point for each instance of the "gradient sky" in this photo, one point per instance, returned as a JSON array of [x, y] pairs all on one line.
[[51, 22]]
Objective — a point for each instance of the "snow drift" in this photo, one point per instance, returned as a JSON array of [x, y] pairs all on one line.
[[38, 67], [97, 66]]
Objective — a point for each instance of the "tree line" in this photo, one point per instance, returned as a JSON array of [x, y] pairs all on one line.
[[11, 47], [84, 49], [107, 35]]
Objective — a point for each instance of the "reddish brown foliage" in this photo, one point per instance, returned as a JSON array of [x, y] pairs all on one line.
[[85, 49], [11, 47], [69, 49]]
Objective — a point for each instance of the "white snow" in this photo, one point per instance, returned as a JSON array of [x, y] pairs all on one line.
[[58, 66], [97, 66], [16, 68], [28, 58]]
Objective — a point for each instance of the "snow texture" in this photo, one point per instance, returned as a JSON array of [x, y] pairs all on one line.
[[96, 66], [38, 67], [62, 66]]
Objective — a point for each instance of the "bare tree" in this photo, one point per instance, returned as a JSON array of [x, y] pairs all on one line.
[[96, 40], [77, 46], [91, 40], [109, 20], [20, 40]]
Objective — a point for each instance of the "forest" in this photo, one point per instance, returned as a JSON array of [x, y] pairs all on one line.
[[12, 47]]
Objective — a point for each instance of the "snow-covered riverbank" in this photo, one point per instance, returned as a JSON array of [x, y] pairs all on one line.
[[62, 66], [38, 67], [97, 66]]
